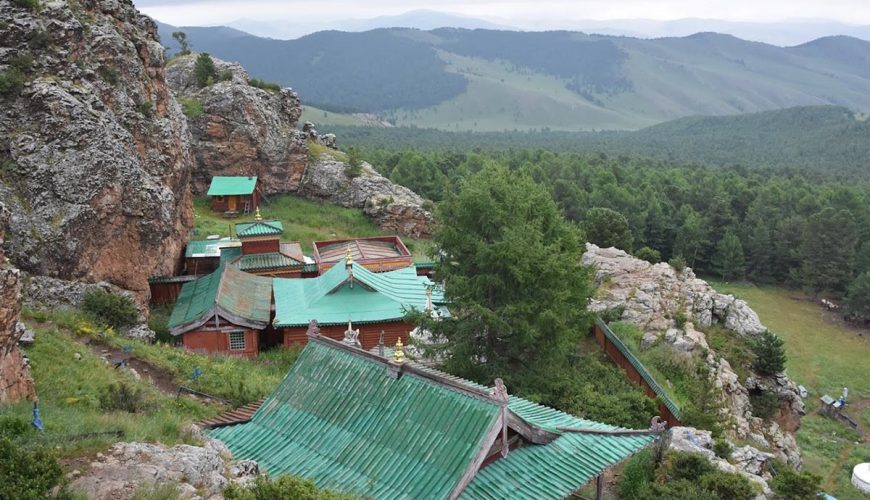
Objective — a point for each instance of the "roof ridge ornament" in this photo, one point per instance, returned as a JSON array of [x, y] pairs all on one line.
[[257, 215], [398, 351], [313, 330]]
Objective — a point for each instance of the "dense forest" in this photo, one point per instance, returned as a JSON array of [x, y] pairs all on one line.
[[729, 222], [827, 139]]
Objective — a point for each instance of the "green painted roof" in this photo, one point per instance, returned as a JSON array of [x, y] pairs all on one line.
[[241, 298], [230, 253], [339, 418], [259, 228], [267, 261], [208, 248], [641, 369], [228, 186], [333, 299], [330, 386]]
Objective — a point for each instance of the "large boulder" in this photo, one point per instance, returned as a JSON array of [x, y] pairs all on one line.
[[241, 129], [15, 380], [653, 296], [93, 146]]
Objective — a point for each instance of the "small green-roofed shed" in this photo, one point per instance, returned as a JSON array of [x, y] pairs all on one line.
[[238, 297], [232, 186], [354, 294], [356, 422]]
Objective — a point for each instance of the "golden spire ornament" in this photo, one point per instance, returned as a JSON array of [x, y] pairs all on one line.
[[398, 352], [257, 215]]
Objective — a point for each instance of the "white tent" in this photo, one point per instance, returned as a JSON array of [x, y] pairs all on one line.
[[861, 477]]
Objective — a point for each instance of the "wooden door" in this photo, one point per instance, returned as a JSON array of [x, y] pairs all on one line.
[[231, 203]]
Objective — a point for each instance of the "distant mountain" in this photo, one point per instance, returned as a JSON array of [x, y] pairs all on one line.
[[459, 79]]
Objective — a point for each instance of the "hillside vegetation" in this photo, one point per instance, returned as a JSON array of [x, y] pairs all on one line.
[[820, 139], [487, 80]]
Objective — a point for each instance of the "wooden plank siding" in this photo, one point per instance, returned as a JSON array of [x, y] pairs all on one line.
[[368, 333], [212, 341], [633, 374], [265, 244]]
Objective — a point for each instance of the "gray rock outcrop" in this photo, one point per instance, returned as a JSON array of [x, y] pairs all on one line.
[[196, 470], [393, 207], [93, 146], [652, 297], [238, 129]]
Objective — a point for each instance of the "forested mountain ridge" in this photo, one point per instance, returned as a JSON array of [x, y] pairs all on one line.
[[826, 140], [462, 79]]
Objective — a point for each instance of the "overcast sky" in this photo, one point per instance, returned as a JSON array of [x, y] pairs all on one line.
[[520, 13]]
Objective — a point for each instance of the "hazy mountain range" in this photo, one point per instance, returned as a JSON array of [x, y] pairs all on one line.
[[783, 33]]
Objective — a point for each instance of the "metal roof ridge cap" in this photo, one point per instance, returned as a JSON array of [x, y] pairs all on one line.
[[410, 367]]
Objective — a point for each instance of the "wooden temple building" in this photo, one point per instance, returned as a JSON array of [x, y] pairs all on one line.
[[263, 252], [349, 296], [384, 427], [234, 195], [378, 254]]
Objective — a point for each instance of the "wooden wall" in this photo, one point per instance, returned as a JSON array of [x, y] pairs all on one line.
[[221, 204], [260, 246], [205, 341], [368, 334]]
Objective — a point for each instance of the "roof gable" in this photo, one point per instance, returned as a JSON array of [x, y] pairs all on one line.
[[241, 298], [259, 228], [334, 298], [229, 186], [268, 261], [343, 421]]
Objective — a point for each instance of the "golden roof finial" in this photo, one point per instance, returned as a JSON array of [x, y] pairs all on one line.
[[348, 256], [257, 215], [398, 352]]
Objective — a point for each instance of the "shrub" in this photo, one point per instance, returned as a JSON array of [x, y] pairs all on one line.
[[109, 75], [428, 205], [636, 479], [769, 353], [648, 254], [283, 488], [39, 39], [27, 4], [146, 108], [13, 427], [225, 75], [27, 473], [158, 320], [792, 485], [680, 320], [192, 108], [11, 81], [612, 314], [115, 310], [726, 485], [354, 163], [678, 263], [722, 448], [262, 84], [122, 397], [204, 71], [681, 465], [764, 404]]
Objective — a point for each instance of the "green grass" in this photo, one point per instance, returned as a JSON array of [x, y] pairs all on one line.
[[320, 118], [824, 357], [304, 221], [69, 391]]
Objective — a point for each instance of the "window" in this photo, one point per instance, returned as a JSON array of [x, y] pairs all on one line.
[[237, 341]]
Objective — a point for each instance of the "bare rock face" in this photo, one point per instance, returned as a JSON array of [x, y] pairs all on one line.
[[195, 469], [94, 147], [393, 207], [653, 296], [241, 130], [747, 461], [15, 380]]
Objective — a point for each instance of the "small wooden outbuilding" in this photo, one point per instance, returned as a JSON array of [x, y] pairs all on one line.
[[234, 195]]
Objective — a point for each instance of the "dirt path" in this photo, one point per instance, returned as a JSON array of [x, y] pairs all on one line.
[[162, 380]]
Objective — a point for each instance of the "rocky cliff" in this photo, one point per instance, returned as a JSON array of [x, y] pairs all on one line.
[[94, 152], [653, 296], [238, 129], [15, 380]]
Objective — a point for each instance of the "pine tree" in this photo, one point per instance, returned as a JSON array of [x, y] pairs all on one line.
[[828, 251], [183, 42], [728, 259], [204, 71], [858, 298], [513, 273], [769, 352], [607, 228]]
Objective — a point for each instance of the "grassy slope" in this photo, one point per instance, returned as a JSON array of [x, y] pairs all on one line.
[[321, 117], [500, 97], [304, 221], [824, 358]]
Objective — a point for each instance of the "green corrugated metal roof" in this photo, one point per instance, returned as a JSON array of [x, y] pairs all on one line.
[[207, 248], [230, 253], [228, 186], [241, 298], [267, 261], [259, 228], [287, 434], [641, 369], [309, 268], [554, 470], [339, 418], [330, 298]]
